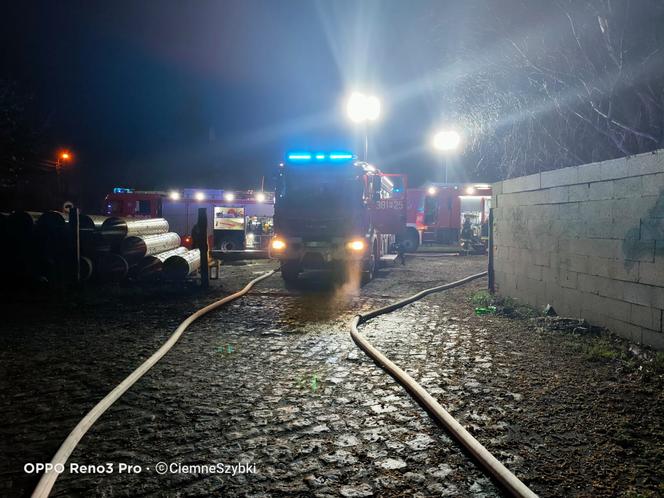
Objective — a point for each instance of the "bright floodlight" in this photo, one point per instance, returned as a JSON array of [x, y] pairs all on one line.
[[260, 197], [229, 196], [470, 191], [174, 195], [372, 109], [432, 190], [446, 140], [362, 107], [199, 196]]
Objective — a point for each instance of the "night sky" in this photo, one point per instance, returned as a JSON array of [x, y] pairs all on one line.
[[163, 94]]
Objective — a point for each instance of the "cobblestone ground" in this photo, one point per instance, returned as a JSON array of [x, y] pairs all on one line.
[[275, 381]]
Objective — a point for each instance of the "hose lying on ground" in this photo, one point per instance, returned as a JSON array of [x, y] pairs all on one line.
[[67, 447], [511, 483]]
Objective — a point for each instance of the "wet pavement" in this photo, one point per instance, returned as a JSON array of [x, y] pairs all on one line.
[[273, 382]]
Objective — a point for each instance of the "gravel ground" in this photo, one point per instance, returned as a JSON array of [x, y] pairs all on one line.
[[274, 381]]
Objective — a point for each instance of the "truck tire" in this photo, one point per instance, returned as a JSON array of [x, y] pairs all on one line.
[[289, 271], [228, 245], [369, 269], [411, 240]]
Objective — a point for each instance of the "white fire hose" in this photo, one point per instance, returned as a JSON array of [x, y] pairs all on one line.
[[497, 470], [67, 447]]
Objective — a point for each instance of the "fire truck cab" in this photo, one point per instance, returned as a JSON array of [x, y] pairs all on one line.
[[436, 212], [334, 212]]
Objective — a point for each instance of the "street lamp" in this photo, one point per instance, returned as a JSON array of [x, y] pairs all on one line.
[[446, 141], [62, 157], [363, 108]]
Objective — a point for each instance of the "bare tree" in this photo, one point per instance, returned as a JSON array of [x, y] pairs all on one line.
[[563, 82]]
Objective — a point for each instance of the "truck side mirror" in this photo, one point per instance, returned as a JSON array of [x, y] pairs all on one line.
[[375, 188]]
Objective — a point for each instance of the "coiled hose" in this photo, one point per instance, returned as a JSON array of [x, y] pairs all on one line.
[[496, 469], [67, 447]]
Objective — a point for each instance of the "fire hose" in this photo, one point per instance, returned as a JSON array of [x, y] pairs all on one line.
[[496, 469], [67, 447], [486, 459]]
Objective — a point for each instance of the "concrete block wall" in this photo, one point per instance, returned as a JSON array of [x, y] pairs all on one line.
[[588, 240]]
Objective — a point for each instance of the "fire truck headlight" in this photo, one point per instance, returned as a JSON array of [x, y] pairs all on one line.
[[356, 245], [278, 245], [174, 195]]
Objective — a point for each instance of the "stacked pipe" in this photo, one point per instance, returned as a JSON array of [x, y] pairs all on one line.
[[111, 249], [135, 248], [179, 266], [152, 265]]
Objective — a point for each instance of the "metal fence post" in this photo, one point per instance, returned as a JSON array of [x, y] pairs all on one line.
[[492, 282], [203, 246], [74, 263]]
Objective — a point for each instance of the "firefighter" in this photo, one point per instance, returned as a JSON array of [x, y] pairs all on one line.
[[467, 229]]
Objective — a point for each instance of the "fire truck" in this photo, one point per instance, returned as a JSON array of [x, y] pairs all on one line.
[[436, 213], [334, 212], [239, 222], [130, 203]]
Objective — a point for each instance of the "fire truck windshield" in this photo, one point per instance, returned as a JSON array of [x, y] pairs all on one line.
[[337, 189]]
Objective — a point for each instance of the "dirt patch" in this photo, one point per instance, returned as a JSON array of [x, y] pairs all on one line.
[[588, 406]]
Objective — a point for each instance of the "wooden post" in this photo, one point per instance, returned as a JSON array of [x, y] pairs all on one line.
[[203, 246], [74, 259], [492, 281]]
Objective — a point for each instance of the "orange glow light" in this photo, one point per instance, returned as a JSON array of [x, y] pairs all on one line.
[[65, 155]]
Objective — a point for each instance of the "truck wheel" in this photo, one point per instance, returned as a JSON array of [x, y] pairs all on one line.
[[370, 269], [289, 271], [227, 245], [411, 240]]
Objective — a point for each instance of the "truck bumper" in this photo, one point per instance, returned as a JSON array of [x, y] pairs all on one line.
[[318, 255]]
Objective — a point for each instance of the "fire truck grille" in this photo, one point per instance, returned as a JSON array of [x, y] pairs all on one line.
[[313, 260]]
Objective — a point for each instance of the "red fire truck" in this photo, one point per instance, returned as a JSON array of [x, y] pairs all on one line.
[[436, 212], [130, 203], [333, 212], [238, 221]]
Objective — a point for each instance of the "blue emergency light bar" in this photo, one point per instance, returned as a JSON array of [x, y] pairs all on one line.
[[299, 157], [307, 157], [122, 190]]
